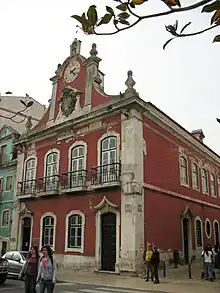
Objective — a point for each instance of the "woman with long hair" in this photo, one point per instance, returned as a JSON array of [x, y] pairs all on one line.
[[208, 259], [30, 270], [47, 270]]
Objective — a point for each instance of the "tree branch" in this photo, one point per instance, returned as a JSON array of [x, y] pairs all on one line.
[[160, 14], [198, 32]]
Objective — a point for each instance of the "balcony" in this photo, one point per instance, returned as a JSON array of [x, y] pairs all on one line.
[[48, 185], [26, 189], [106, 176], [74, 181]]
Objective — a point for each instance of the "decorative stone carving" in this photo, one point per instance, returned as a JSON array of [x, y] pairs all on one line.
[[105, 202], [68, 100], [25, 211], [132, 188], [75, 47]]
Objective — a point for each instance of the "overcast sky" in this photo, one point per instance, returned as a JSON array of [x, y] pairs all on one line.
[[182, 81]]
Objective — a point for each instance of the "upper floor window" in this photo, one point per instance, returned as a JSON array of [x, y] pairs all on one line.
[[5, 218], [204, 181], [184, 171], [195, 176], [78, 166], [213, 184], [30, 170], [3, 155], [108, 150], [8, 183], [51, 164], [1, 184]]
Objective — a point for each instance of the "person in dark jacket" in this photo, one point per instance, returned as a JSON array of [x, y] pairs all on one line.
[[155, 260]]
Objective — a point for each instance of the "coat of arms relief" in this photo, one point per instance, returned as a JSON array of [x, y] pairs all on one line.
[[68, 100]]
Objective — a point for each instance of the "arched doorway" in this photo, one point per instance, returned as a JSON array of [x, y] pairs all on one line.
[[186, 239], [108, 241], [186, 223], [26, 233], [216, 233]]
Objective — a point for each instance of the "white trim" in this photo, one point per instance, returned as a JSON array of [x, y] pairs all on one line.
[[199, 177], [108, 134], [182, 155], [49, 214], [25, 163], [9, 219], [54, 150], [198, 219], [206, 221], [215, 221], [207, 173], [75, 144], [81, 249], [98, 250]]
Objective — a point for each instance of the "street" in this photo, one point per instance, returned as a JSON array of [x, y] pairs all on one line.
[[15, 286]]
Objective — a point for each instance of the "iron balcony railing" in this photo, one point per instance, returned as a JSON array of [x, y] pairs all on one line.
[[75, 179], [26, 187], [106, 173], [49, 183]]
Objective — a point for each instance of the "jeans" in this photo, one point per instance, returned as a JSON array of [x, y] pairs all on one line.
[[208, 270], [30, 284], [46, 284], [155, 272], [149, 270]]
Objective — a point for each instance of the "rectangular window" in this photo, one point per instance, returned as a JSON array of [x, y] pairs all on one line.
[[3, 156], [213, 185], [204, 181], [195, 176], [8, 183], [5, 218], [1, 184], [183, 171]]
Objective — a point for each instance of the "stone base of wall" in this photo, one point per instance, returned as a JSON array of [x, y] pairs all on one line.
[[75, 262]]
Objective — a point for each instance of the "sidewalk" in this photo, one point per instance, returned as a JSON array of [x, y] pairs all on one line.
[[176, 282]]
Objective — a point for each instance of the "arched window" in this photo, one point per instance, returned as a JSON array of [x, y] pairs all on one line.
[[216, 232], [213, 185], [208, 228], [204, 181], [75, 231], [195, 176], [51, 171], [48, 231], [198, 231], [183, 171], [77, 172]]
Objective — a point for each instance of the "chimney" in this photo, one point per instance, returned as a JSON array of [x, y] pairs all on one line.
[[198, 134]]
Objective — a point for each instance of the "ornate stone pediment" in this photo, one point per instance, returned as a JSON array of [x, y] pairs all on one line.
[[25, 211], [105, 202], [68, 100]]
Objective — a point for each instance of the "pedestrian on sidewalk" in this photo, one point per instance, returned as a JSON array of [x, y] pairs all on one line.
[[147, 261], [155, 260], [30, 270], [47, 271], [208, 259]]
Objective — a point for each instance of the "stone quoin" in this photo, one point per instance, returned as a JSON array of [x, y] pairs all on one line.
[[102, 175]]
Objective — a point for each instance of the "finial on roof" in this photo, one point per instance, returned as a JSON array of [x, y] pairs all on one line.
[[130, 83], [75, 47], [58, 68], [93, 51]]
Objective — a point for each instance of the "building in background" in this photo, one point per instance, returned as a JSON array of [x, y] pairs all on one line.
[[10, 130], [101, 175]]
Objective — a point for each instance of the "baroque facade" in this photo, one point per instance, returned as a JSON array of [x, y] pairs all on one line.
[[101, 175]]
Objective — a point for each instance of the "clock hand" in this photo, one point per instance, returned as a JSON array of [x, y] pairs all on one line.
[[73, 71]]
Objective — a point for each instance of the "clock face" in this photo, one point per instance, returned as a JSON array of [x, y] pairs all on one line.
[[71, 71]]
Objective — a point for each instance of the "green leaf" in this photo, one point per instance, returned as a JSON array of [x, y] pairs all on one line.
[[216, 39], [105, 19], [92, 15], [164, 46], [185, 26], [124, 15], [85, 23], [123, 21], [122, 7], [110, 10], [132, 5], [211, 7], [78, 18]]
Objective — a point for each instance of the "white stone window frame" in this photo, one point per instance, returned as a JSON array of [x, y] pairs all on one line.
[[182, 155], [207, 173], [48, 214], [199, 178], [201, 223], [54, 150], [99, 145], [216, 222], [208, 221], [71, 213], [215, 182], [25, 166], [76, 144], [9, 218]]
